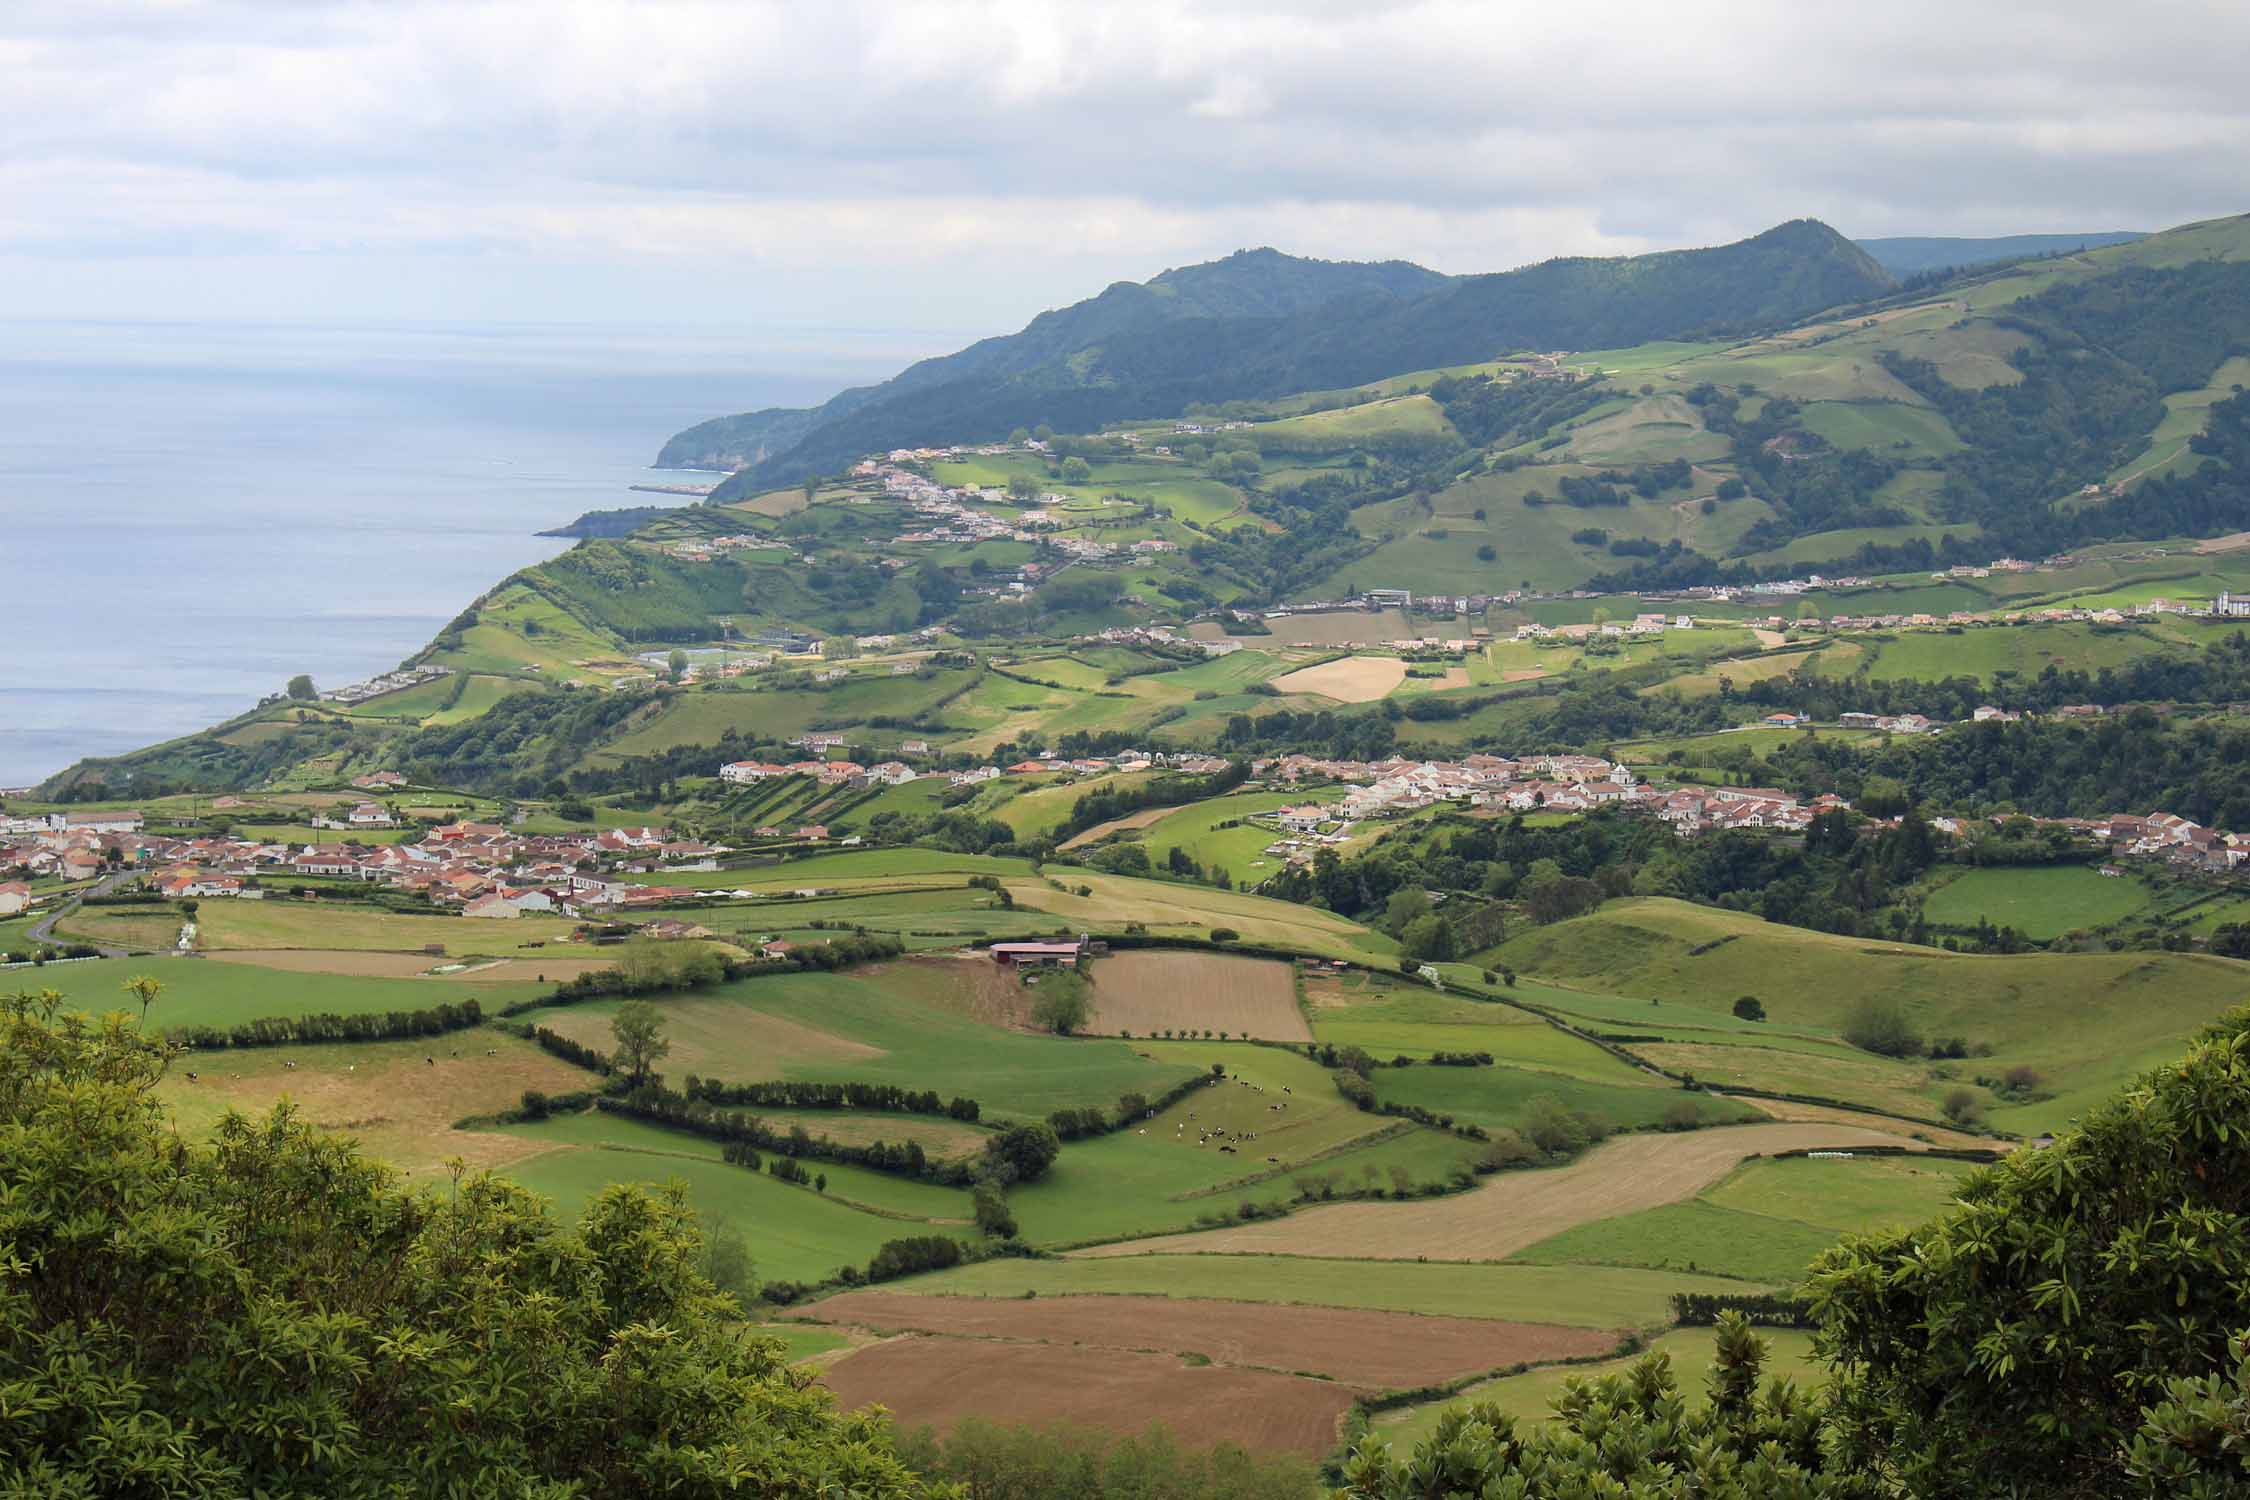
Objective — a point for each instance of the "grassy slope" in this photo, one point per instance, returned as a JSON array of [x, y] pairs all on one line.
[[2086, 1021], [2040, 901], [202, 993], [845, 1027]]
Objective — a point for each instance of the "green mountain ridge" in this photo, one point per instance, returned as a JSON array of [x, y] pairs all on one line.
[[1906, 255], [1261, 283], [1261, 324], [2029, 408]]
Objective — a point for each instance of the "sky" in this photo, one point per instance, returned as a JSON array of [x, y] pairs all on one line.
[[956, 167]]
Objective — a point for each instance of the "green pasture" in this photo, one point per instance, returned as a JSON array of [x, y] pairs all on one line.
[[800, 1341], [2086, 1022], [1767, 1220], [856, 1187], [1502, 1097], [1982, 650], [845, 869], [1431, 546], [1857, 1194], [1891, 428], [883, 1025], [1349, 426], [208, 992], [1240, 850], [795, 1233], [1170, 908], [1128, 1185], [1693, 1236], [2039, 901]]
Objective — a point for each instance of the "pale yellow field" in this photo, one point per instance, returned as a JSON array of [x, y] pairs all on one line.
[[1353, 679], [1187, 910], [1514, 1210]]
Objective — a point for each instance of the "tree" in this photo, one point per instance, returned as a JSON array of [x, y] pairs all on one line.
[[811, 487], [1486, 553], [301, 688], [275, 1307], [1022, 487], [1749, 1008], [1022, 1153], [1405, 904], [1631, 1434], [639, 1029], [992, 1214], [677, 664], [1428, 937], [1076, 470], [2012, 1345], [725, 1259], [1963, 1109], [1880, 1025], [1062, 1004], [144, 989]]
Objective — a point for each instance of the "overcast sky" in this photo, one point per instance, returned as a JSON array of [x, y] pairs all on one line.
[[960, 166]]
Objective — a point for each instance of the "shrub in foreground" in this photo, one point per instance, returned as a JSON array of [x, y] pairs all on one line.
[[271, 1313]]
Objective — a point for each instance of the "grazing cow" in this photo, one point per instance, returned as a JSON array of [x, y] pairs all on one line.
[[191, 1078], [431, 1061]]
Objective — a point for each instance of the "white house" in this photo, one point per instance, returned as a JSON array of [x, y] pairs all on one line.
[[14, 897]]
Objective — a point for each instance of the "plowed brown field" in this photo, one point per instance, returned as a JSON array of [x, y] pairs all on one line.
[[1515, 1209], [1148, 990], [941, 1380], [1359, 1346]]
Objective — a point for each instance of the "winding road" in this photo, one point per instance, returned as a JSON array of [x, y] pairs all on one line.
[[43, 930]]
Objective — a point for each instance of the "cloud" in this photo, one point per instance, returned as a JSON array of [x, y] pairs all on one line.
[[1008, 153]]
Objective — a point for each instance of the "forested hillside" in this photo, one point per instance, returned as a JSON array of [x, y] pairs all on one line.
[[1248, 284], [1278, 328]]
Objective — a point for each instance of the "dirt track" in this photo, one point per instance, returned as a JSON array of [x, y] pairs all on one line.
[[941, 1380], [1514, 1209], [1359, 1346]]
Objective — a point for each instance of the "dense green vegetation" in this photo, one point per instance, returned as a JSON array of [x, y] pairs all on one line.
[[1149, 352], [272, 1313]]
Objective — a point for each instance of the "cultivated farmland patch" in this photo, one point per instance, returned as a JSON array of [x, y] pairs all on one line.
[[1360, 1346], [1353, 679], [941, 1381], [1145, 991]]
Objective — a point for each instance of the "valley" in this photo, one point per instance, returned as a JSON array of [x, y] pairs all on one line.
[[1212, 864]]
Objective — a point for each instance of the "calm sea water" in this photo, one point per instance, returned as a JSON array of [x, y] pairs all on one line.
[[190, 514]]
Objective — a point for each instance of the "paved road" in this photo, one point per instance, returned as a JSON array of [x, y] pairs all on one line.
[[43, 930]]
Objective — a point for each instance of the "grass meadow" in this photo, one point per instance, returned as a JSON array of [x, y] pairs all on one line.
[[200, 992]]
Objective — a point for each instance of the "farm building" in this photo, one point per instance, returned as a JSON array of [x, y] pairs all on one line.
[[1041, 955]]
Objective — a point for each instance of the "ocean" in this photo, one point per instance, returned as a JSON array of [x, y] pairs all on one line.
[[190, 514]]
